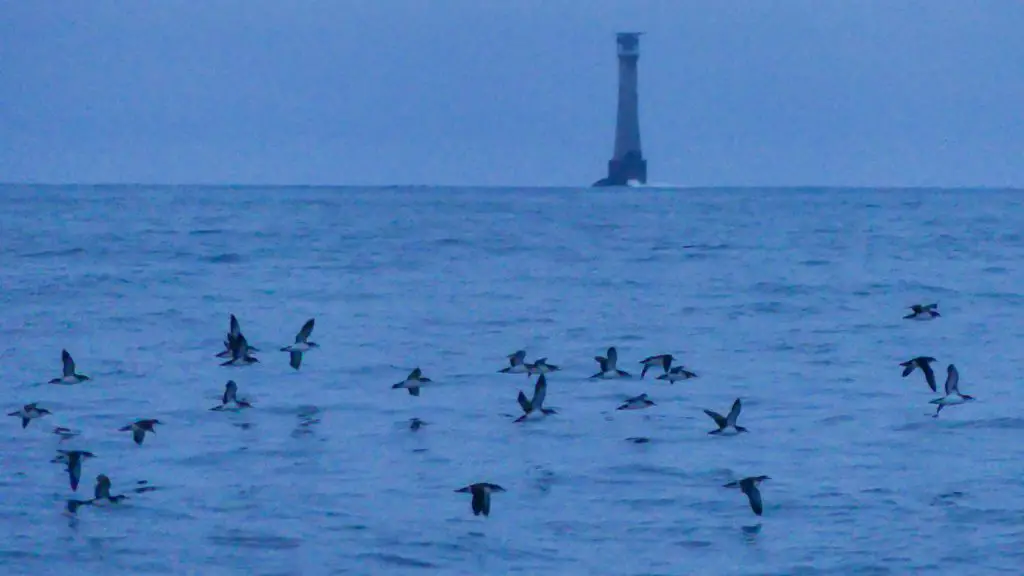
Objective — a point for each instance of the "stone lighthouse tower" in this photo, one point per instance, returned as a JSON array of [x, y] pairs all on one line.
[[627, 162]]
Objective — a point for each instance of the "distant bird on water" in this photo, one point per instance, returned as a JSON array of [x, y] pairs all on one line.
[[663, 360], [676, 374], [28, 413], [302, 344], [749, 487], [727, 424], [926, 312], [481, 492], [229, 402], [953, 395], [535, 407], [516, 361], [413, 382], [139, 429], [924, 363], [69, 376], [541, 366], [637, 403], [609, 368]]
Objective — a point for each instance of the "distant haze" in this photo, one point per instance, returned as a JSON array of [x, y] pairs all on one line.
[[830, 92]]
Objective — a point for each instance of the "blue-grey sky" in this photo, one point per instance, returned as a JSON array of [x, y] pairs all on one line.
[[517, 92]]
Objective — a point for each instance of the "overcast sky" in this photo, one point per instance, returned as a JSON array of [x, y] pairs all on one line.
[[516, 92]]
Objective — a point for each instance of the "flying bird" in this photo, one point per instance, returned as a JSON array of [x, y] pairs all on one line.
[[481, 492], [749, 487], [953, 395], [727, 424], [924, 363], [302, 344]]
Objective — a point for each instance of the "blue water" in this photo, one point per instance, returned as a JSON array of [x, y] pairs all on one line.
[[789, 299]]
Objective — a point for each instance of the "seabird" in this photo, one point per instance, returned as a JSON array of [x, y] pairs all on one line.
[[302, 344], [953, 395], [663, 360], [69, 376], [676, 374], [139, 429], [234, 331], [74, 458], [608, 366], [922, 362], [920, 312], [535, 407], [102, 491], [516, 363], [413, 382], [727, 425], [229, 401], [416, 424], [541, 366], [240, 352], [637, 403], [29, 412], [749, 487], [64, 433], [481, 492]]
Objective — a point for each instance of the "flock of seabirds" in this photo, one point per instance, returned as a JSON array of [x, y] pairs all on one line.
[[239, 353]]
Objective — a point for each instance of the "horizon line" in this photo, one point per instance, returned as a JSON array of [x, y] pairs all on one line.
[[653, 186]]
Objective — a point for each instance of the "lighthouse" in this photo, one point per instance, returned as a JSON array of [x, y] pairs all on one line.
[[627, 161]]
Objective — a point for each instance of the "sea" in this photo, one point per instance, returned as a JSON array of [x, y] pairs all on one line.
[[792, 300]]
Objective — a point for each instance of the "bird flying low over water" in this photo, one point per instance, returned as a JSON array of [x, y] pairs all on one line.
[[73, 459], [541, 366], [676, 374], [234, 331], [28, 413], [953, 395], [637, 403], [516, 361], [924, 363], [481, 492], [749, 487], [72, 506], [416, 424], [139, 429], [663, 360], [64, 433], [535, 407], [302, 344], [240, 352], [413, 382], [101, 493], [727, 424], [926, 312], [609, 368], [229, 401], [68, 376]]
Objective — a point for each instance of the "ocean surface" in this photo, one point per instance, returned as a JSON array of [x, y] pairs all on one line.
[[789, 299]]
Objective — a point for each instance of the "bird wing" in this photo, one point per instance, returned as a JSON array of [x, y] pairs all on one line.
[[540, 390], [754, 495], [908, 367], [603, 362], [138, 434], [952, 380], [295, 360], [718, 418], [415, 374], [734, 413], [929, 375], [304, 333], [666, 362], [234, 329], [480, 502], [613, 358], [229, 393], [69, 363], [524, 402], [517, 357]]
